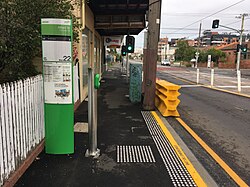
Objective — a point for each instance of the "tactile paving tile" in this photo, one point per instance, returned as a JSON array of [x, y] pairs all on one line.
[[128, 153], [176, 169]]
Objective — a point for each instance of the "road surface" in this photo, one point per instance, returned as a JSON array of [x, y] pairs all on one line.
[[222, 120], [223, 79]]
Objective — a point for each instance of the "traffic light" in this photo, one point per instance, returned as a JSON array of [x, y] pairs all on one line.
[[130, 44], [215, 24], [124, 51], [238, 47], [244, 48]]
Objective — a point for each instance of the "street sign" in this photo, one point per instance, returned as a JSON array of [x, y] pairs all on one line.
[[58, 85], [112, 41]]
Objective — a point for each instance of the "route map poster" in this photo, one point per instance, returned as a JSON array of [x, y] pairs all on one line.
[[57, 60], [57, 82]]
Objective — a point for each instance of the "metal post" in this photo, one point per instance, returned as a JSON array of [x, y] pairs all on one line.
[[198, 76], [197, 53], [212, 77], [92, 117], [239, 80], [144, 60], [127, 67], [241, 32]]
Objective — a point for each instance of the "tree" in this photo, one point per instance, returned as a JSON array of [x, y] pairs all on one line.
[[184, 51], [20, 39], [216, 54], [203, 56]]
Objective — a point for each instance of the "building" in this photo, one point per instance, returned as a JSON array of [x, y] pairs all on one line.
[[191, 42], [138, 54], [162, 47], [231, 56], [170, 53], [214, 38], [174, 41]]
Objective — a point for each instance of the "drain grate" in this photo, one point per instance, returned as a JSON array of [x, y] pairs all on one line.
[[176, 169], [128, 153]]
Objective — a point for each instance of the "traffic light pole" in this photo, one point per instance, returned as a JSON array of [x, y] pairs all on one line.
[[198, 47], [239, 52], [240, 42]]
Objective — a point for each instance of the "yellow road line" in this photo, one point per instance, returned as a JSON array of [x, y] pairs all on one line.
[[229, 171], [192, 171]]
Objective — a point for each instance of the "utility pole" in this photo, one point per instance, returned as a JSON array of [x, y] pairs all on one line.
[[198, 47], [241, 32], [154, 15]]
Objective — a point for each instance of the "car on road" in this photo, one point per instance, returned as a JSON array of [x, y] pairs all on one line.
[[193, 60], [165, 62]]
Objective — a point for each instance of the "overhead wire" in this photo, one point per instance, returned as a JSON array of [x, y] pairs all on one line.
[[189, 13], [195, 29], [209, 16]]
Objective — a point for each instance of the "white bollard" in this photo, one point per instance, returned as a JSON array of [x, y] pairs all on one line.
[[239, 80], [198, 76], [212, 77]]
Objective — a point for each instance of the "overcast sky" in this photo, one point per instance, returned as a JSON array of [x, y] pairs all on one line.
[[176, 15]]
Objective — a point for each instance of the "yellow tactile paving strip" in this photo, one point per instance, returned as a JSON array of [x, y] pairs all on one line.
[[195, 175]]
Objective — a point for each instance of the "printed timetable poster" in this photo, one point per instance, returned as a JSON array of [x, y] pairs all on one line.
[[57, 60]]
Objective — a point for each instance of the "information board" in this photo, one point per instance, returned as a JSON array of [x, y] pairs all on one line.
[[57, 61], [57, 41]]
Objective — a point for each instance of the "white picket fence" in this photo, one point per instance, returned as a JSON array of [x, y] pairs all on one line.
[[21, 122]]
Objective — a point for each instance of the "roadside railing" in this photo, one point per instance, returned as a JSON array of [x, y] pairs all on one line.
[[229, 80], [217, 80], [21, 122]]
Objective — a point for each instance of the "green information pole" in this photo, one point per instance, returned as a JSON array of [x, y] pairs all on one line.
[[58, 85]]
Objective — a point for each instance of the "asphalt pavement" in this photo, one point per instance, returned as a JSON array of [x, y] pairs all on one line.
[[120, 123]]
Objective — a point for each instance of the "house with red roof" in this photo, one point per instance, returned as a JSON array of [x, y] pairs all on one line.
[[231, 56]]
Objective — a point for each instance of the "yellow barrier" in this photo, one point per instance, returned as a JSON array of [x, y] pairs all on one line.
[[166, 98]]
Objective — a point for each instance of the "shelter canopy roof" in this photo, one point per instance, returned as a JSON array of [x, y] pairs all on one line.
[[119, 17]]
